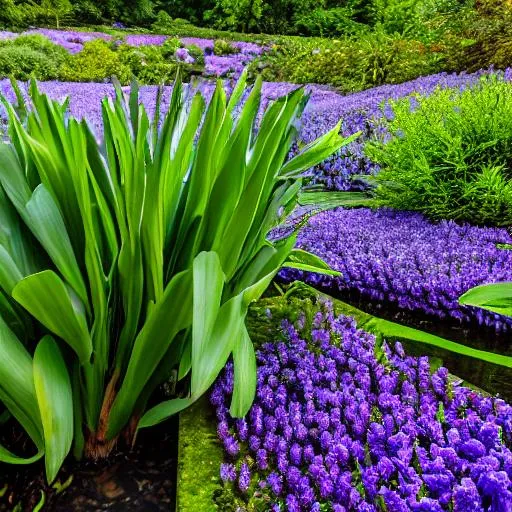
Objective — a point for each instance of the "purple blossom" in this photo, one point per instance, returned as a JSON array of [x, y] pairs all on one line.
[[344, 445], [244, 478], [402, 258], [227, 472]]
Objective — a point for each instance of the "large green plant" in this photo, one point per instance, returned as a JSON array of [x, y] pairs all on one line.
[[449, 154], [126, 260]]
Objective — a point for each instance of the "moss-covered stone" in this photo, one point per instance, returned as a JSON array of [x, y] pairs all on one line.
[[199, 458]]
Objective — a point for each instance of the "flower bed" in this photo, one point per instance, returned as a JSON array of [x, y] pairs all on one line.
[[403, 258], [341, 424], [215, 65], [359, 111]]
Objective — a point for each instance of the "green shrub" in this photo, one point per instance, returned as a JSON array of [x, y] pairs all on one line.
[[196, 53], [40, 43], [351, 64], [96, 62], [130, 259], [223, 47], [147, 64], [31, 56], [155, 65], [450, 157], [170, 46], [484, 40], [17, 15], [328, 22], [23, 63]]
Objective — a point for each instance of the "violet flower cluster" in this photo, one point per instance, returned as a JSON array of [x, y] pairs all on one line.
[[403, 258], [340, 424]]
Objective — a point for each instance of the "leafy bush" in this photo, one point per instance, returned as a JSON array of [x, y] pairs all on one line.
[[170, 46], [485, 39], [131, 258], [147, 64], [450, 155], [19, 15], [350, 64], [31, 56], [97, 62], [196, 53], [222, 47], [328, 22]]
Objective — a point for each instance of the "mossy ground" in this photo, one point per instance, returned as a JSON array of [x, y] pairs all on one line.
[[199, 458]]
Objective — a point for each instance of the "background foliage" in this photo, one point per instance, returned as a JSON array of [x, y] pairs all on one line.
[[352, 44]]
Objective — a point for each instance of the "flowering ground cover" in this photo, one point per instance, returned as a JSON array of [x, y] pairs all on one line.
[[341, 423], [403, 258], [215, 65], [361, 112]]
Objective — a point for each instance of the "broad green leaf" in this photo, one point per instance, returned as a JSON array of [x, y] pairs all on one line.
[[310, 268], [267, 156], [169, 316], [317, 151], [10, 458], [47, 225], [226, 333], [21, 246], [321, 200], [54, 397], [17, 390], [164, 411], [10, 274], [55, 305], [303, 260], [244, 389], [208, 281], [496, 297], [393, 330]]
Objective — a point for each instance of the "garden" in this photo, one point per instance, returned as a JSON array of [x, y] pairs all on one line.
[[256, 262]]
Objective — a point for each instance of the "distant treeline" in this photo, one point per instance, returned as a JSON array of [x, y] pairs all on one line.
[[301, 17]]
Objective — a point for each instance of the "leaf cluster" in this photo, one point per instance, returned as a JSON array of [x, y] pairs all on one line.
[[132, 258]]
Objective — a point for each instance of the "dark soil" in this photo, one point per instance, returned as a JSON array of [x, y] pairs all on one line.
[[140, 480]]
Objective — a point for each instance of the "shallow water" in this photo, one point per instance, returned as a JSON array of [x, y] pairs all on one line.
[[494, 379]]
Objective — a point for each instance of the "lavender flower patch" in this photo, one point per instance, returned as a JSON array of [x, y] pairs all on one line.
[[340, 424], [360, 111], [402, 258], [85, 98], [145, 40], [73, 41], [217, 66]]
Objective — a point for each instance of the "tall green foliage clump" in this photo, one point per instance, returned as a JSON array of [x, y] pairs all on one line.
[[32, 56], [449, 155], [126, 260]]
